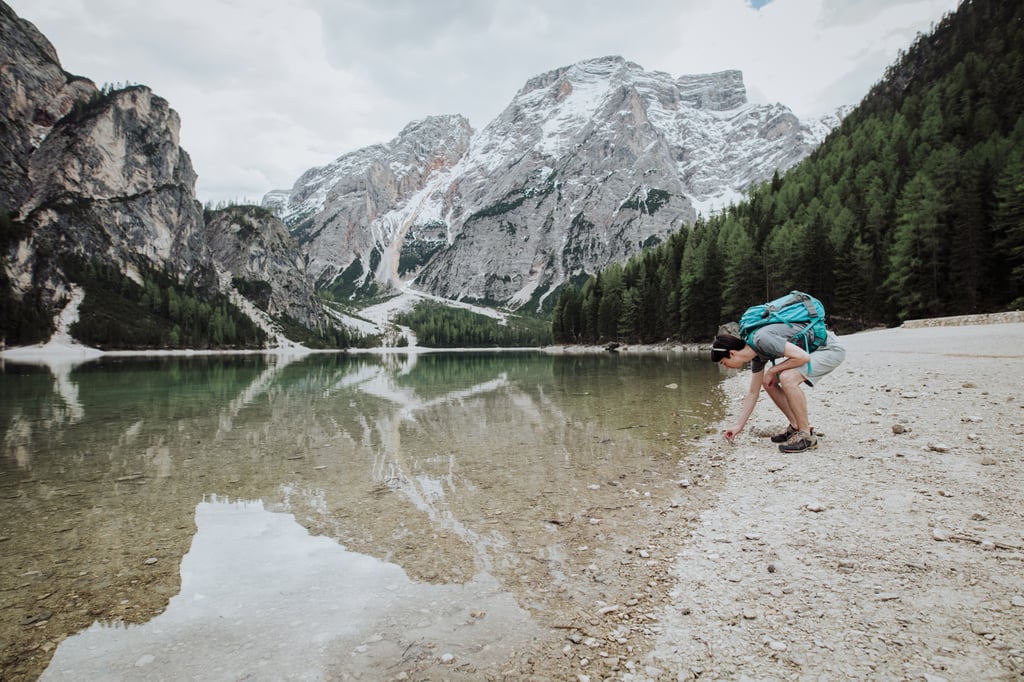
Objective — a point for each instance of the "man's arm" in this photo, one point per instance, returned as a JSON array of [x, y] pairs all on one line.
[[795, 357], [749, 402]]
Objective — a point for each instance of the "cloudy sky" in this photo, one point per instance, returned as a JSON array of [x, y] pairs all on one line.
[[267, 89]]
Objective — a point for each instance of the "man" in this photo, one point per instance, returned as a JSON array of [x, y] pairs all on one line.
[[782, 380]]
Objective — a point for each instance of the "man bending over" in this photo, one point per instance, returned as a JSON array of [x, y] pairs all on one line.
[[782, 380]]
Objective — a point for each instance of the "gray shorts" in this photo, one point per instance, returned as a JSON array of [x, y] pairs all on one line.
[[824, 360]]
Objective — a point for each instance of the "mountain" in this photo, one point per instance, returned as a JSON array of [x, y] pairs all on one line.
[[97, 194], [348, 205], [586, 166], [264, 264]]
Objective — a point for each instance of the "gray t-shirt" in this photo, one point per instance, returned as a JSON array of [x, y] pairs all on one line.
[[770, 343]]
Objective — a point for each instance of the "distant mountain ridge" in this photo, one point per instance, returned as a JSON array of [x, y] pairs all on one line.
[[588, 164]]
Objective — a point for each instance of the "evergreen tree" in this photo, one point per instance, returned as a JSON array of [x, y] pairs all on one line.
[[916, 263], [1009, 223], [743, 282]]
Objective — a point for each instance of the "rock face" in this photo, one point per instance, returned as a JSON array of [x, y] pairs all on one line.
[[101, 176], [264, 263], [34, 94], [110, 181], [587, 165], [343, 213]]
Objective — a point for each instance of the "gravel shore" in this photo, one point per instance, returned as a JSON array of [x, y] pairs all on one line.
[[895, 550]]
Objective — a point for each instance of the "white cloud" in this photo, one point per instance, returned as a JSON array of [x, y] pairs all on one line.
[[268, 88]]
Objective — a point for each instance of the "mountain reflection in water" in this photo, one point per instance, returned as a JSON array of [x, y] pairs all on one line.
[[467, 479], [260, 595]]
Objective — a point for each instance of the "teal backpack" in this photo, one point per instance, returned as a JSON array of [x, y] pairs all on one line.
[[794, 308]]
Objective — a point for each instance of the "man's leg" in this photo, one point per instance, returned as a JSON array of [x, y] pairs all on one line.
[[790, 382], [778, 397]]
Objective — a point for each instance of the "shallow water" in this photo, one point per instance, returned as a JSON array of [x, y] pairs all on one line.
[[317, 516]]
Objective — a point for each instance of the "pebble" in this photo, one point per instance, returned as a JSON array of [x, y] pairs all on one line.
[[447, 658], [40, 617], [981, 628], [939, 534], [1017, 600], [151, 560], [814, 506], [938, 447], [144, 660], [899, 428]]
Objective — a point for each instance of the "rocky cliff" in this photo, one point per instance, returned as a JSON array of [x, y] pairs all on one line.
[[99, 177], [345, 213], [264, 263], [34, 94]]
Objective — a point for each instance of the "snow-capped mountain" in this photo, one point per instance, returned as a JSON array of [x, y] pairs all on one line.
[[587, 165]]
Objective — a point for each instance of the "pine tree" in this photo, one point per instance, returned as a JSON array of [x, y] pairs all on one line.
[[1008, 222], [914, 280]]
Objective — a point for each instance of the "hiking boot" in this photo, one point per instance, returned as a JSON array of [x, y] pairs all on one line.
[[788, 433], [785, 435], [799, 441]]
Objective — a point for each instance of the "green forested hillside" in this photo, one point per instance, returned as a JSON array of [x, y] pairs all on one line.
[[913, 207], [439, 326]]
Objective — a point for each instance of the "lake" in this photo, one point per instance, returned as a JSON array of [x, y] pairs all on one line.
[[326, 516]]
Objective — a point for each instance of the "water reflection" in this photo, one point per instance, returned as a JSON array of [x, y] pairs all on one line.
[[262, 598], [454, 469]]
